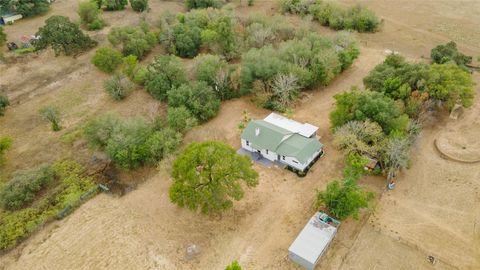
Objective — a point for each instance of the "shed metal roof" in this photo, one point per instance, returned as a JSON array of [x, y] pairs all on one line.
[[306, 129], [313, 240]]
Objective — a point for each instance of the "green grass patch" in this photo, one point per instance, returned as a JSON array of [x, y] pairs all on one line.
[[72, 189]]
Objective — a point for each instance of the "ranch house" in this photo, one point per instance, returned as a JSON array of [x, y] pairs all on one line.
[[283, 140]]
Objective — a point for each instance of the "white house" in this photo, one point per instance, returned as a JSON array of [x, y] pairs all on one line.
[[280, 139]]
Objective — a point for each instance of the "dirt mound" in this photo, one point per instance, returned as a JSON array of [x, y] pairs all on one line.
[[460, 143]]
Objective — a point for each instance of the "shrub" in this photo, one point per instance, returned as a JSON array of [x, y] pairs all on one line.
[[194, 4], [27, 8], [63, 36], [213, 29], [209, 175], [276, 76], [446, 53], [24, 186], [187, 40], [69, 193], [451, 85], [330, 14], [343, 199], [3, 36], [118, 87], [98, 130], [215, 72], [235, 265], [132, 40], [362, 19], [113, 5], [16, 225], [130, 66], [107, 59], [96, 24], [415, 83], [139, 5], [140, 75], [4, 103], [132, 142], [5, 144], [348, 47], [356, 105], [197, 97], [181, 119], [164, 73], [90, 15], [52, 115]]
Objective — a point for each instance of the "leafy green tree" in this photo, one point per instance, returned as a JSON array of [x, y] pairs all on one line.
[[24, 186], [132, 142], [89, 13], [193, 4], [113, 5], [129, 66], [3, 36], [449, 52], [197, 97], [63, 36], [209, 176], [211, 29], [235, 265], [27, 7], [52, 115], [187, 40], [164, 73], [343, 199], [363, 105], [118, 86], [139, 5], [181, 119], [216, 72], [107, 59], [349, 49], [5, 144], [100, 129], [451, 85], [132, 40], [207, 67], [126, 146], [4, 102]]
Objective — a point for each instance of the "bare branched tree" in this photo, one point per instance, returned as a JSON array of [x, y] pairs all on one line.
[[396, 154], [360, 137], [285, 88]]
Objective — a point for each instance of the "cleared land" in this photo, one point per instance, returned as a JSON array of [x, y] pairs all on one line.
[[431, 212]]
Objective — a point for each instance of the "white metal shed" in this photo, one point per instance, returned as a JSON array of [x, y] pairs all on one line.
[[312, 242]]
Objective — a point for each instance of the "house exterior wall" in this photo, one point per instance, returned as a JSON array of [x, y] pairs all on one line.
[[301, 261], [272, 156]]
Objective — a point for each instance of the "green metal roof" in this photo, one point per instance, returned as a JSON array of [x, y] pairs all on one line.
[[280, 140]]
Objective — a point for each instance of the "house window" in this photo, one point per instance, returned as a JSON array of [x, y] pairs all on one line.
[[283, 157], [248, 143]]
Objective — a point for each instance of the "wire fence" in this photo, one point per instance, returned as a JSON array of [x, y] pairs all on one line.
[[70, 207]]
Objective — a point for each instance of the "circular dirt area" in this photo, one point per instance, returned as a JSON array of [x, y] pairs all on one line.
[[462, 144]]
